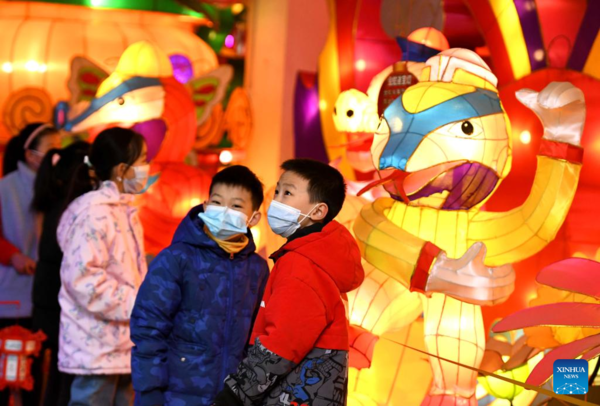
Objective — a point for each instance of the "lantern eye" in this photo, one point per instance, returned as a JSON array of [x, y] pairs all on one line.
[[121, 101], [350, 113], [335, 110], [467, 128], [470, 129]]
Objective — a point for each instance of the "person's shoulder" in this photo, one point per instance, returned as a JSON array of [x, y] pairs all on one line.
[[295, 265], [258, 262]]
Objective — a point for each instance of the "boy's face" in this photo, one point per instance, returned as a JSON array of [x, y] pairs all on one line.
[[236, 198], [293, 191]]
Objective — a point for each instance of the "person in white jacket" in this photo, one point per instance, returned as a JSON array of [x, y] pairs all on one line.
[[103, 266]]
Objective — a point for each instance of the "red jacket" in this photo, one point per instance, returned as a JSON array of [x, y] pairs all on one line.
[[302, 305]]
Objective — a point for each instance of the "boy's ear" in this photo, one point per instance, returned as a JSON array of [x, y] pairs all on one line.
[[320, 212], [255, 219]]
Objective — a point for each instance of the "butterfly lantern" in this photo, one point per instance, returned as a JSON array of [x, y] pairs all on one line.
[[145, 94]]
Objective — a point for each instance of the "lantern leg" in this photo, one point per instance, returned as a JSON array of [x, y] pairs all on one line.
[[453, 330]]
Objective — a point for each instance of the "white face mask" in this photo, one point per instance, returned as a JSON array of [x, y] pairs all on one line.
[[223, 222], [139, 180], [283, 219]]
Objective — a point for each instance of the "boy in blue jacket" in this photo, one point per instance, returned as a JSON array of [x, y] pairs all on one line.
[[194, 312]]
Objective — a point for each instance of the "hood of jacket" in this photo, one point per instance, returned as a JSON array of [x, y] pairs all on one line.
[[334, 251]]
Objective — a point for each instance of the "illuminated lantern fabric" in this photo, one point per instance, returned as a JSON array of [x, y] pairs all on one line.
[[382, 304], [17, 345], [422, 44], [356, 116], [506, 390], [443, 149], [398, 376], [431, 37], [40, 40], [508, 356], [581, 277], [143, 93], [178, 188]]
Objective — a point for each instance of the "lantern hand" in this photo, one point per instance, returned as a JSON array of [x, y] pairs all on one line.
[[469, 280], [560, 106]]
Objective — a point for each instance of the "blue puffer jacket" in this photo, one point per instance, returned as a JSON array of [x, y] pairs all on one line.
[[192, 317]]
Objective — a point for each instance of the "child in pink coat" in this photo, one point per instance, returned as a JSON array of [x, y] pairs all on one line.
[[103, 266]]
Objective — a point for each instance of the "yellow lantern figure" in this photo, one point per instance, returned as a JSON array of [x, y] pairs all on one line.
[[442, 149]]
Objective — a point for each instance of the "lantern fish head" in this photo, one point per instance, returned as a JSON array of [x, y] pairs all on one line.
[[133, 101], [133, 95], [445, 143], [356, 115]]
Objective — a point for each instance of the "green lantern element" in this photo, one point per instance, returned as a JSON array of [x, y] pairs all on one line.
[[164, 6]]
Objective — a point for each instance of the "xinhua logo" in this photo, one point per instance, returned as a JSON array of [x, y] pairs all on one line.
[[571, 376]]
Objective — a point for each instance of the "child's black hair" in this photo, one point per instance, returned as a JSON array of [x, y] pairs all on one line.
[[15, 149], [325, 183], [54, 176], [238, 175], [111, 147]]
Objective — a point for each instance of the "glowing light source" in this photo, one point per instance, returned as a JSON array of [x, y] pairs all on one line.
[[525, 137], [538, 55], [96, 3], [256, 235], [225, 157], [32, 66], [7, 67], [322, 104], [237, 8], [194, 202], [229, 41], [360, 65]]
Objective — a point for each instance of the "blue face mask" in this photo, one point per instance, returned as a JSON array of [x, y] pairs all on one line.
[[223, 222]]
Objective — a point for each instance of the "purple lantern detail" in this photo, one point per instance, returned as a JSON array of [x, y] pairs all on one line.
[[183, 70], [308, 136], [154, 132], [229, 41], [469, 184]]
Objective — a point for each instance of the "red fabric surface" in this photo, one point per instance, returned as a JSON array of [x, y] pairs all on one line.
[[418, 281], [302, 305]]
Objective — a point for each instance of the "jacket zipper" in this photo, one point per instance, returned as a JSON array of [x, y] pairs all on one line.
[[227, 322]]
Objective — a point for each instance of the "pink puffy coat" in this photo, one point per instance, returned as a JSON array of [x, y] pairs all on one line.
[[103, 266]]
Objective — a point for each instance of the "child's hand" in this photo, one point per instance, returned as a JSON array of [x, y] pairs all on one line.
[[469, 280], [23, 264]]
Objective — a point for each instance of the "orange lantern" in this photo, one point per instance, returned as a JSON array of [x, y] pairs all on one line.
[[17, 344], [40, 40], [178, 188]]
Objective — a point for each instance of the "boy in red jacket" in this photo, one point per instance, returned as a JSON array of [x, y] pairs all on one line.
[[300, 338]]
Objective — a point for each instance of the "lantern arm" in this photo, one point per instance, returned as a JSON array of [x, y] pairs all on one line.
[[524, 231], [391, 249]]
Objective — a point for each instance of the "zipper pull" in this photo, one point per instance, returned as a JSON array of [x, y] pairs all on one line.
[[231, 256]]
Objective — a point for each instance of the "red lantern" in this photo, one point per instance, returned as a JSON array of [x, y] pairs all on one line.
[[17, 345], [178, 188]]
